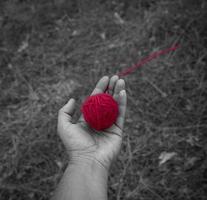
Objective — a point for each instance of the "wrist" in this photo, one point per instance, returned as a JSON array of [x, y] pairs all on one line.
[[89, 174], [83, 179], [88, 163], [90, 159]]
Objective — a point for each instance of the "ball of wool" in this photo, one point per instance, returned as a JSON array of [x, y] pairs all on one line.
[[100, 111]]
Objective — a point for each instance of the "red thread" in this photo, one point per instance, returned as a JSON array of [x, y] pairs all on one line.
[[146, 60], [101, 111]]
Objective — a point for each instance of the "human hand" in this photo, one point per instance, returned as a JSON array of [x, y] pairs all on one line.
[[86, 144]]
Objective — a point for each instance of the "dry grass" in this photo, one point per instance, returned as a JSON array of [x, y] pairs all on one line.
[[166, 99]]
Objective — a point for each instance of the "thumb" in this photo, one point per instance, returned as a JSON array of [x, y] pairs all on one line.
[[66, 112]]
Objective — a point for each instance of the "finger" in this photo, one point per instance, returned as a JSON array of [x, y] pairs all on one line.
[[120, 85], [66, 112], [122, 102], [100, 88], [101, 85], [112, 84]]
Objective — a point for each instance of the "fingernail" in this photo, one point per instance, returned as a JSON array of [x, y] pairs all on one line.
[[123, 92], [121, 81], [115, 77], [71, 100], [105, 77]]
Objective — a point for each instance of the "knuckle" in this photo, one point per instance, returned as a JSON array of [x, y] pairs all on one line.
[[122, 81]]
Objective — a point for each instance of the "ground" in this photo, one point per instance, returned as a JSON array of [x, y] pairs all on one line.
[[50, 52]]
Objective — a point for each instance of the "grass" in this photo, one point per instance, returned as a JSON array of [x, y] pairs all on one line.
[[43, 63]]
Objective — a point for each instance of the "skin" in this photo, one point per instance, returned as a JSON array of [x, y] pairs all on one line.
[[91, 152]]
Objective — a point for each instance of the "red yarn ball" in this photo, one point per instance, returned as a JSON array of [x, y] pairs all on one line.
[[100, 111]]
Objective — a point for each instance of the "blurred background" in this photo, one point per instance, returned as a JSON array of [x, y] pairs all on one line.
[[53, 50]]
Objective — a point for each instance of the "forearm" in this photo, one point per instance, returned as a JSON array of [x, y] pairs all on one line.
[[86, 180]]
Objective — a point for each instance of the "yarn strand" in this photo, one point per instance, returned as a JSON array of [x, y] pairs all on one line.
[[101, 111], [147, 59]]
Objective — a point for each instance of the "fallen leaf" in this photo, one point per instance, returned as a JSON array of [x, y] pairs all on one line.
[[103, 36], [118, 18], [165, 156], [23, 46], [76, 33]]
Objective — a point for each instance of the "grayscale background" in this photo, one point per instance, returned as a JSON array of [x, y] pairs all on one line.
[[52, 50]]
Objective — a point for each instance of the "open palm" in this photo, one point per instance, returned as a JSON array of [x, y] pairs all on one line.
[[85, 143]]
